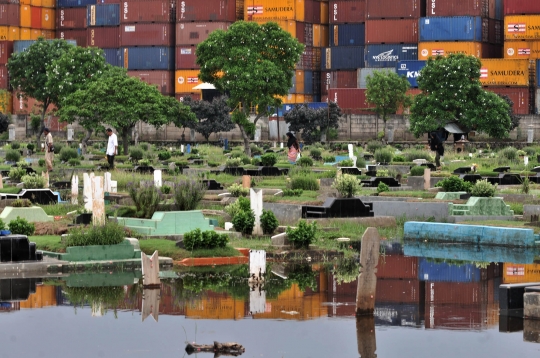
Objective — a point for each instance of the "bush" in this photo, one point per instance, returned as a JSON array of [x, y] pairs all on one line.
[[382, 173], [305, 162], [237, 190], [74, 162], [241, 204], [209, 239], [417, 171], [188, 193], [146, 198], [136, 154], [373, 145], [244, 221], [329, 159], [15, 145], [41, 162], [292, 192], [144, 146], [413, 154], [33, 181], [269, 222], [315, 153], [398, 159], [454, 184], [383, 155], [360, 162], [21, 203], [31, 147], [483, 188], [530, 151], [347, 185], [194, 151], [58, 148], [2, 225], [144, 162], [245, 159], [305, 182], [255, 150], [233, 162], [165, 189], [269, 159], [164, 155], [256, 162], [21, 226], [303, 235], [16, 173], [68, 153], [109, 234], [382, 187], [509, 153], [13, 155], [346, 163]]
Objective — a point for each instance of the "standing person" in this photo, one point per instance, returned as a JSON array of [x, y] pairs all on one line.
[[112, 148], [49, 149], [436, 144], [294, 148]]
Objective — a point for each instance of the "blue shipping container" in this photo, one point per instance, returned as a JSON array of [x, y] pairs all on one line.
[[149, 58], [343, 58], [103, 15], [443, 272], [347, 35], [499, 10], [308, 82], [284, 109], [389, 55], [23, 45], [74, 3], [293, 88], [114, 56], [455, 28], [411, 70]]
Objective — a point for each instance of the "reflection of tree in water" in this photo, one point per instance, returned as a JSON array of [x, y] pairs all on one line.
[[345, 270], [100, 299]]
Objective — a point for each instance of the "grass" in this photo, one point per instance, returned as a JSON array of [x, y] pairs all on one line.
[[10, 190], [411, 194], [48, 243], [168, 248], [59, 209]]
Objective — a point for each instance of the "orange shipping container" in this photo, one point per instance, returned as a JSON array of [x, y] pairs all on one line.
[[287, 25], [320, 35], [48, 3], [35, 34], [36, 3], [521, 273], [324, 12], [25, 16], [522, 27], [501, 72], [25, 33], [25, 2], [48, 20], [275, 10], [48, 34], [522, 49], [299, 81], [10, 33], [432, 49], [186, 80]]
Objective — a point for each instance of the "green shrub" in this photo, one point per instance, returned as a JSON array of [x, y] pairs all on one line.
[[13, 155], [194, 151], [373, 145], [398, 159], [146, 197], [269, 159], [2, 225], [269, 222], [58, 148], [509, 153], [164, 155], [315, 153], [21, 203], [383, 155], [360, 161], [306, 182], [413, 154], [21, 226], [188, 193], [244, 221], [417, 171], [245, 159], [329, 159], [16, 173], [15, 145], [256, 162], [292, 192], [241, 204], [303, 235], [68, 153], [483, 188], [237, 190], [213, 164], [195, 239], [454, 184], [74, 162], [41, 162], [165, 189], [255, 150], [305, 162], [530, 151], [347, 185], [143, 162], [346, 163], [109, 234], [382, 187], [33, 181], [136, 154], [233, 162], [31, 147], [382, 173], [330, 174], [144, 146]]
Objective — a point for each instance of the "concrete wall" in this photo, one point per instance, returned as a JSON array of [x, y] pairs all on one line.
[[411, 210], [286, 214]]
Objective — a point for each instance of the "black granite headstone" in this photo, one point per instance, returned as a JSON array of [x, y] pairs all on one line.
[[462, 170], [501, 169]]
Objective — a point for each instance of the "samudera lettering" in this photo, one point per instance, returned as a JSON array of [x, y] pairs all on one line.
[[533, 27], [279, 9], [386, 56], [507, 73]]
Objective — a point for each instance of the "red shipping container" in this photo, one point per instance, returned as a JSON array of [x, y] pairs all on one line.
[[457, 8], [160, 34], [391, 31], [78, 35], [338, 79], [193, 33], [495, 32], [6, 49], [71, 18], [314, 12], [344, 289], [147, 11], [163, 80], [208, 10], [455, 317], [517, 7], [392, 9], [194, 96], [27, 105], [4, 78], [350, 100], [492, 51], [461, 293], [304, 33], [310, 59], [346, 11], [399, 291], [397, 266], [10, 14], [518, 95], [35, 21], [411, 92], [186, 58], [104, 37]]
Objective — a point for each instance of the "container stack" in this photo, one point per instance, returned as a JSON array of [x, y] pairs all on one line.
[[71, 20]]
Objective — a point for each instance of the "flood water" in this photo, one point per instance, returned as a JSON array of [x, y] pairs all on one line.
[[428, 304]]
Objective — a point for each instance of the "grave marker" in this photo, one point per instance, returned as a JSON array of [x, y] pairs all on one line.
[[182, 148], [427, 178], [157, 178], [98, 202], [150, 269], [87, 191], [256, 201], [367, 280], [351, 154], [107, 182], [75, 190], [150, 303], [281, 145]]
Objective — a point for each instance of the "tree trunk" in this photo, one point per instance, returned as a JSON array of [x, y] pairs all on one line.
[[125, 139], [38, 135], [247, 149], [85, 140]]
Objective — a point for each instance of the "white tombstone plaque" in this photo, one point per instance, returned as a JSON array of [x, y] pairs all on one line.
[[75, 190], [256, 200], [157, 178], [257, 265], [98, 202], [107, 182]]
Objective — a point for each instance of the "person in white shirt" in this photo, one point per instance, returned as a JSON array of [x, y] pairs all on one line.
[[112, 147], [49, 149]]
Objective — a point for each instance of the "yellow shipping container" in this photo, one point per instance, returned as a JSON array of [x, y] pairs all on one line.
[[522, 27], [25, 17], [48, 3], [324, 13], [522, 49], [48, 34], [35, 34], [10, 33], [521, 273], [186, 80], [504, 72], [6, 102], [287, 25], [299, 81], [275, 10], [25, 2], [432, 49], [48, 21], [25, 33], [36, 2], [320, 36]]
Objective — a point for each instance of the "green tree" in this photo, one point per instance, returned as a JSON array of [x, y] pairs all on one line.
[[387, 91], [513, 117], [28, 73], [312, 123], [451, 91], [253, 64], [212, 117]]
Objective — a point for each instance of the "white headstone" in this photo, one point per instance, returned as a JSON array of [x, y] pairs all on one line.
[[256, 200], [87, 191], [351, 150], [182, 148], [114, 186], [281, 145], [70, 133], [274, 145], [526, 160], [45, 175], [98, 202], [257, 136], [75, 190], [157, 178], [107, 182], [257, 265], [228, 226]]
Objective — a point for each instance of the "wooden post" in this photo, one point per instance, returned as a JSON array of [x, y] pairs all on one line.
[[75, 190], [246, 181], [98, 202], [365, 336], [256, 201], [150, 270], [87, 191], [427, 179], [367, 281], [150, 303], [45, 175], [1, 182]]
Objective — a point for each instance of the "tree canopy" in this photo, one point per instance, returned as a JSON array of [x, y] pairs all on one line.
[[451, 91], [254, 64], [312, 123], [212, 117]]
